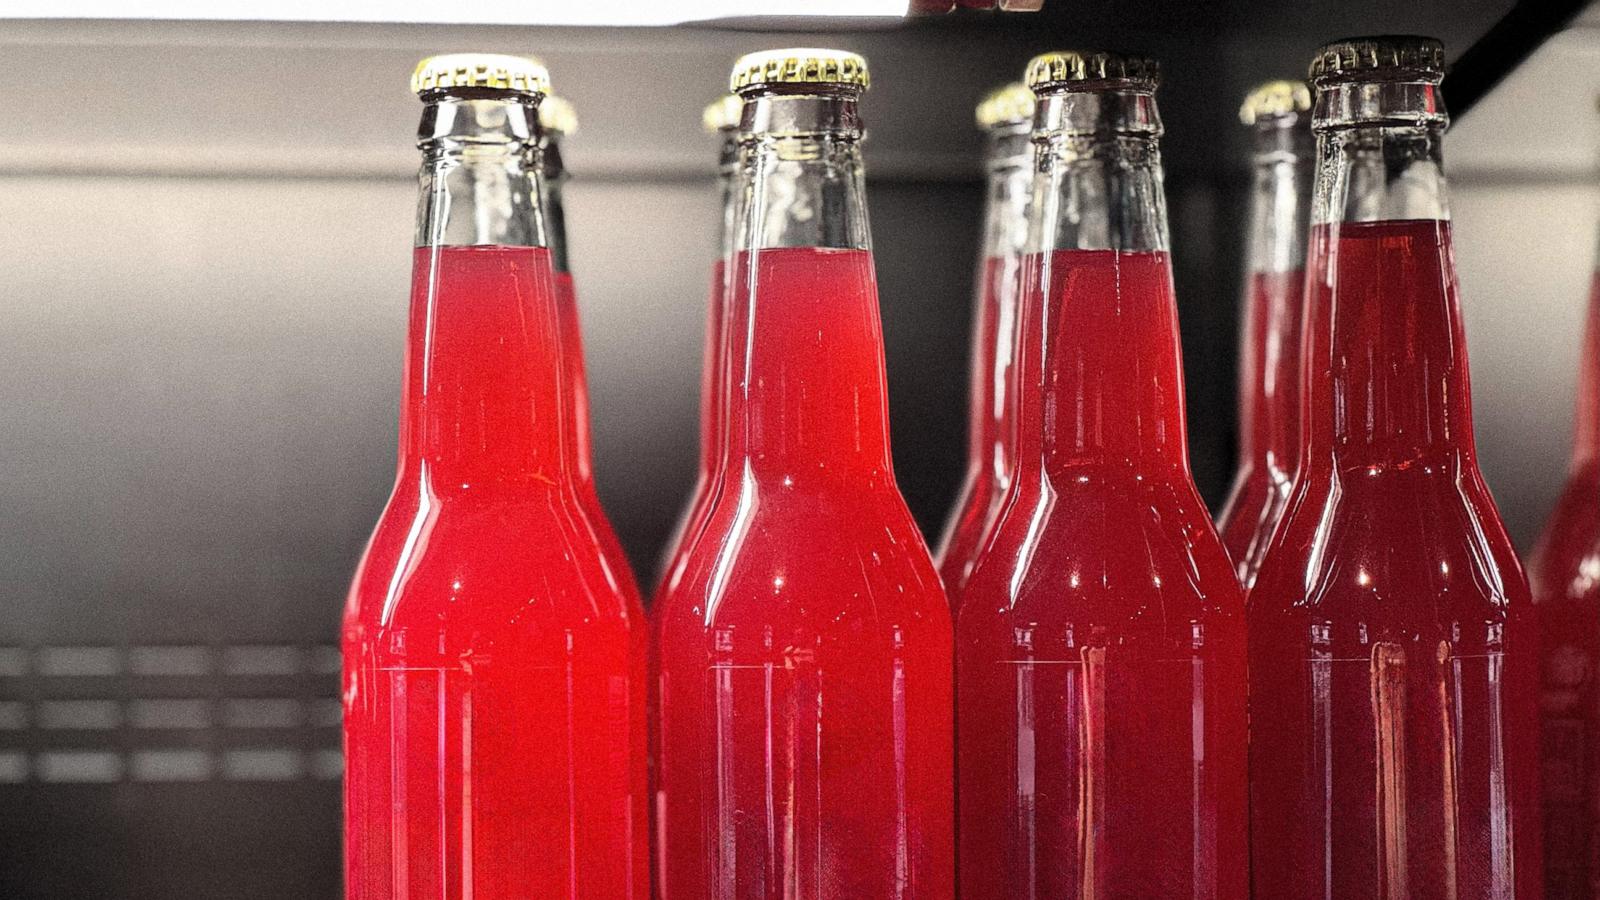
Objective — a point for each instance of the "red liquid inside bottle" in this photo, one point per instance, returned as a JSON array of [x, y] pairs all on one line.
[[1274, 302], [990, 451], [494, 687], [712, 389], [1100, 643], [1100, 637], [1393, 685], [1565, 571], [1006, 115], [805, 654], [575, 382], [1269, 414], [722, 118]]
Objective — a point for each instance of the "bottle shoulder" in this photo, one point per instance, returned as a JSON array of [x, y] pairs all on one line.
[[1132, 551], [1563, 562], [1392, 549], [832, 561], [532, 560]]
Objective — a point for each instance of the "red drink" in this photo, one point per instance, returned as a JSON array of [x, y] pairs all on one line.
[[1100, 644], [1006, 115], [1565, 571], [712, 390], [1393, 744], [805, 665], [990, 432], [575, 380], [558, 119], [493, 669], [493, 698], [1274, 298], [1393, 660], [804, 654], [1100, 640], [1269, 417], [721, 117]]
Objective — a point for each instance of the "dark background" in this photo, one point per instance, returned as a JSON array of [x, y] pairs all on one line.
[[206, 257]]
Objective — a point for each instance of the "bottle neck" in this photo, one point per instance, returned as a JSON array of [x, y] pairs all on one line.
[[807, 394], [801, 174], [730, 184], [1098, 183], [714, 362], [479, 186], [1009, 189], [1101, 380], [481, 405], [1386, 363], [553, 203], [1280, 188], [1274, 291]]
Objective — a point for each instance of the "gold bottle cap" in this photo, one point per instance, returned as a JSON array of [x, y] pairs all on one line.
[[1064, 67], [722, 114], [1384, 53], [1272, 100], [802, 65], [1008, 105], [556, 115], [481, 70]]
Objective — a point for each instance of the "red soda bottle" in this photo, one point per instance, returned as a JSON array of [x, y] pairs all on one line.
[[1565, 571], [722, 119], [1393, 657], [1100, 638], [1278, 113], [804, 654], [1006, 116], [493, 667], [557, 120]]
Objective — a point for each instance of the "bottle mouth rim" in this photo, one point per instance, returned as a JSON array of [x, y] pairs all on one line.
[[1117, 85], [1393, 75], [1378, 102], [478, 92], [800, 89]]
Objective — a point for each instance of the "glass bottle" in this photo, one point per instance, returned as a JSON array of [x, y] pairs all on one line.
[[1565, 572], [557, 120], [804, 655], [1005, 116], [1279, 115], [493, 668], [722, 119], [1100, 639], [1394, 688]]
